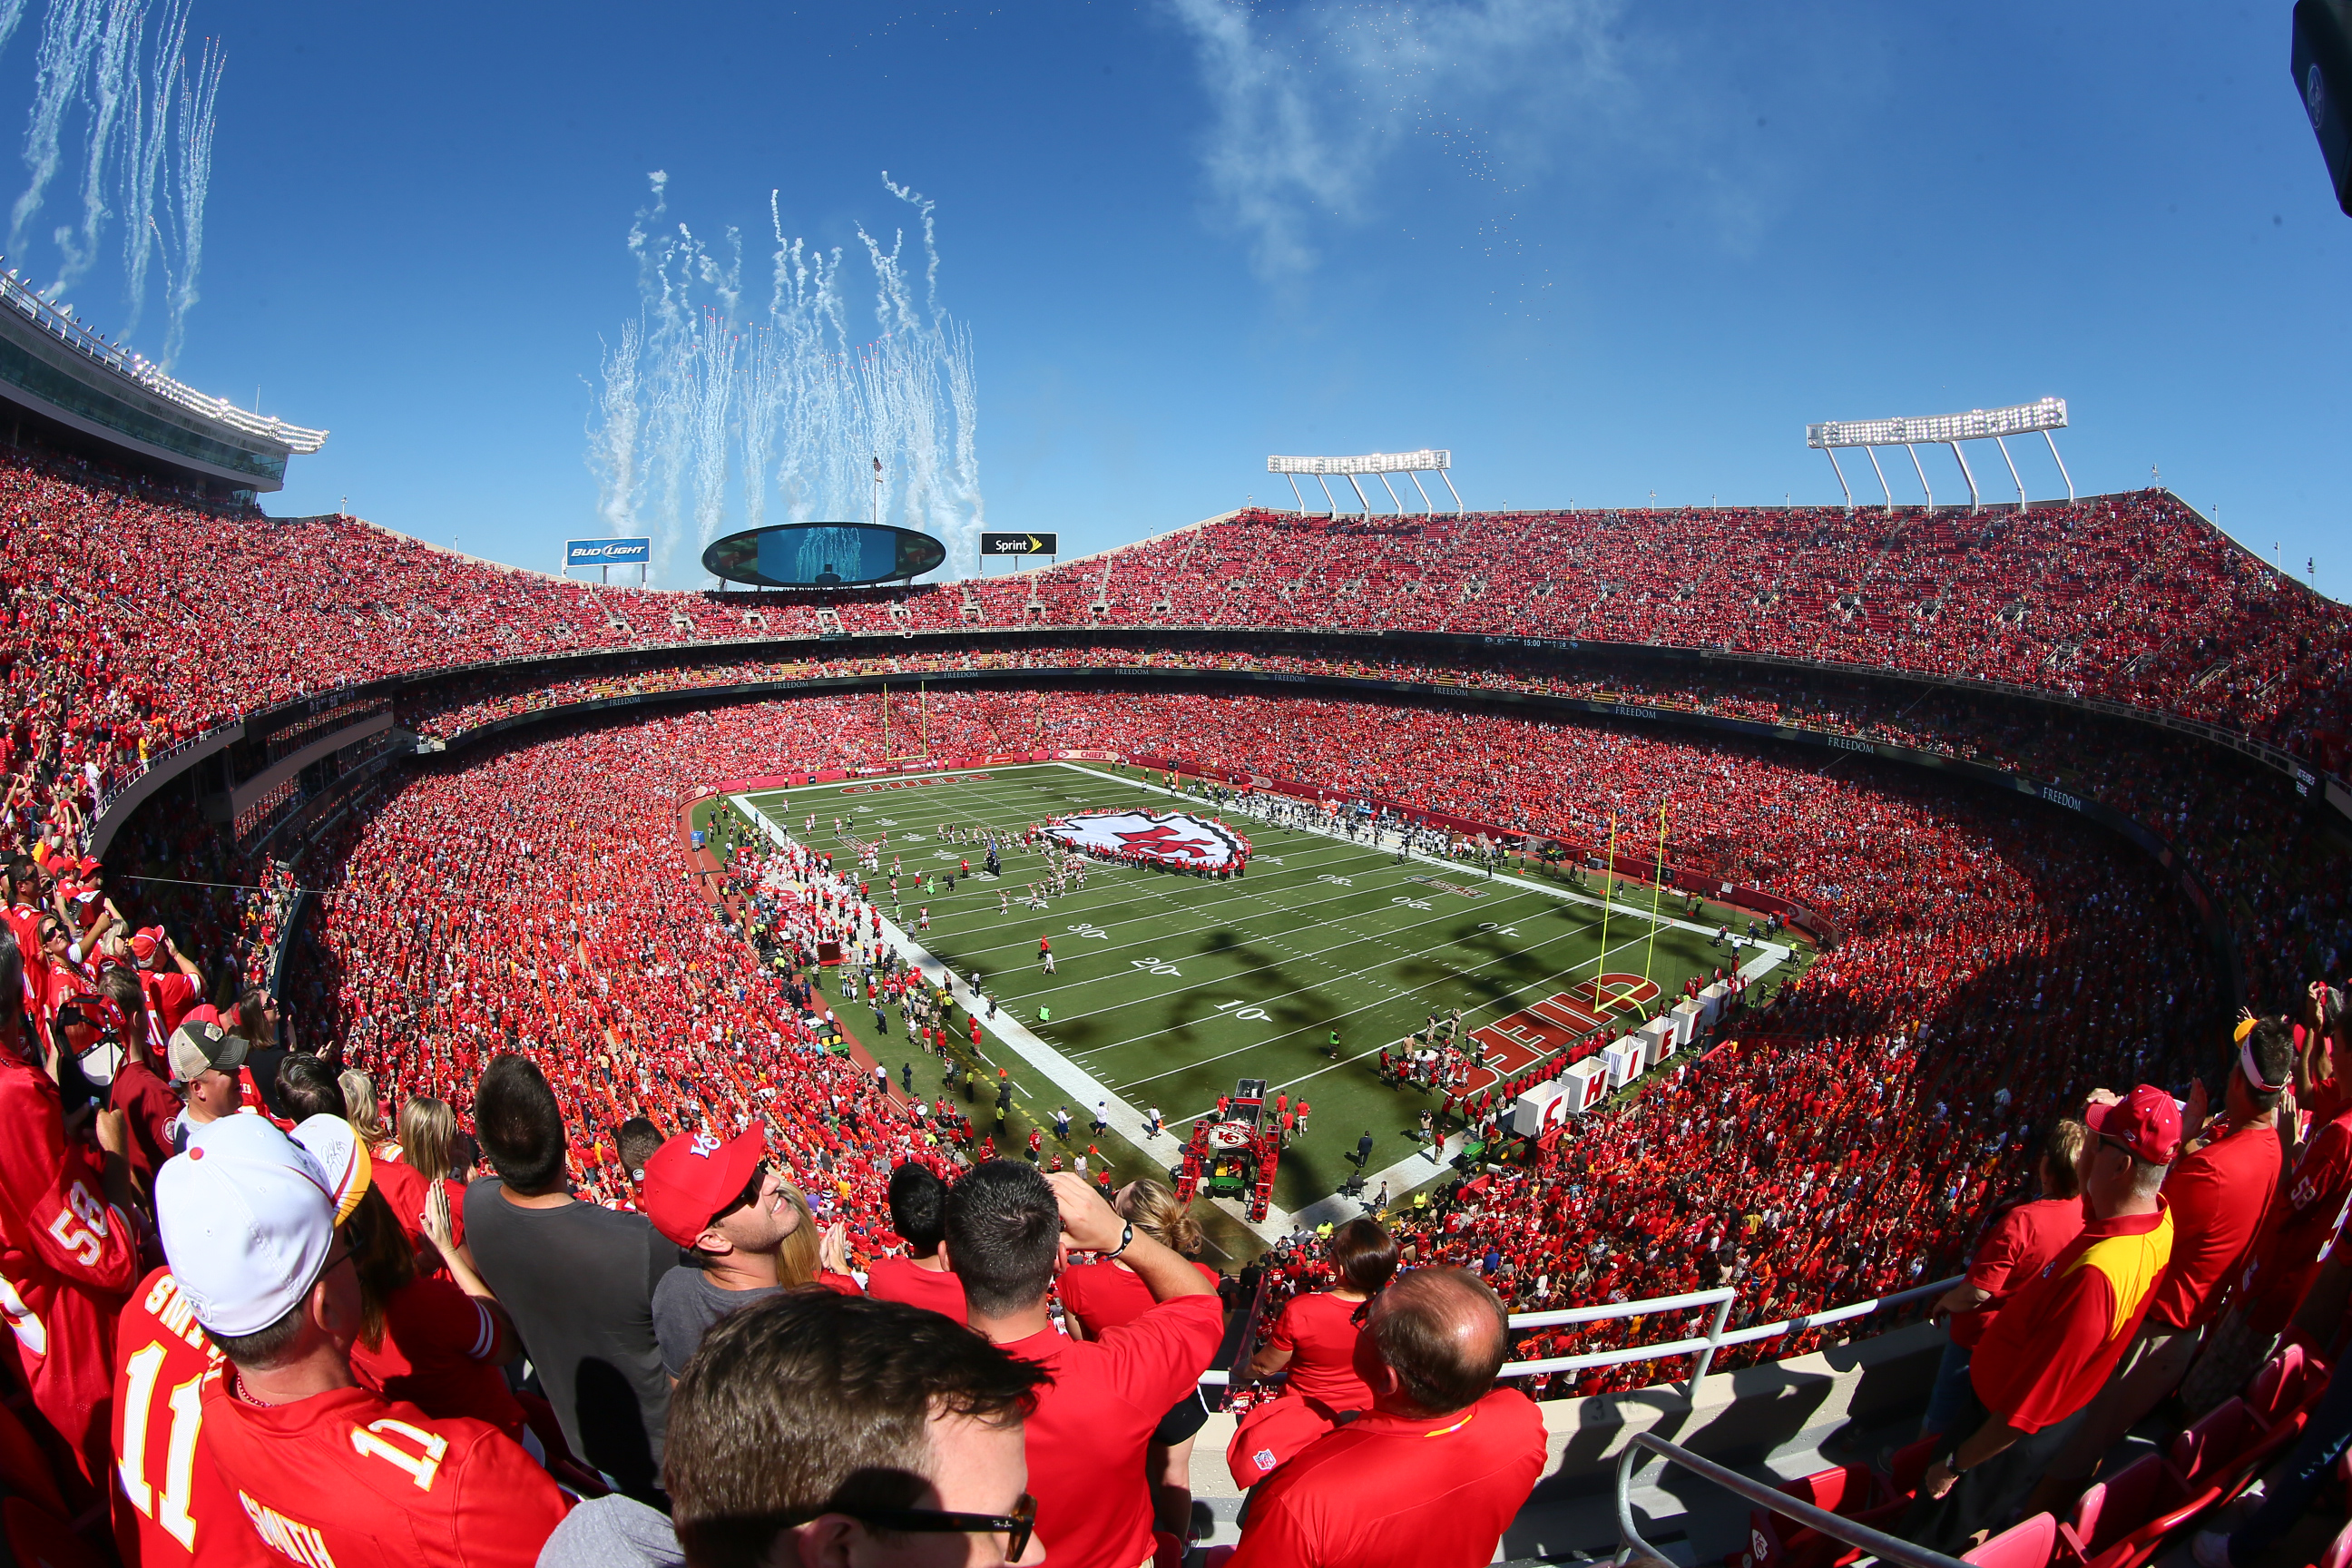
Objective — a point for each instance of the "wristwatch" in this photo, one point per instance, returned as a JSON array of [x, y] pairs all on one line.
[[1126, 1234]]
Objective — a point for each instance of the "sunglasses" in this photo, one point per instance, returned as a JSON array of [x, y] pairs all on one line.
[[744, 1199], [1016, 1527]]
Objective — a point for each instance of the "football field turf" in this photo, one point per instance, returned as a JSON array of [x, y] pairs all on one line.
[[1169, 988]]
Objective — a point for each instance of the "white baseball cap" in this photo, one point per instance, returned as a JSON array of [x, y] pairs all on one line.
[[336, 1144], [247, 1219]]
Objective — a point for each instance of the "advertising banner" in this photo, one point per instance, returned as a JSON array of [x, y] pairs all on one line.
[[607, 552]]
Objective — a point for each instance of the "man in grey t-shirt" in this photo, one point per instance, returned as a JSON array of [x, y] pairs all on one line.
[[577, 1278], [720, 1202]]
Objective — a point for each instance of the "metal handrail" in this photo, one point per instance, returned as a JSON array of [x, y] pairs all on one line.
[[1630, 1544], [1720, 1297]]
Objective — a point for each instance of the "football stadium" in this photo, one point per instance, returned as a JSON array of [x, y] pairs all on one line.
[[1357, 1029]]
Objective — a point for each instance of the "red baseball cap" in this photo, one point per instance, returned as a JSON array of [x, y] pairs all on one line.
[[692, 1177], [144, 943], [2145, 1122]]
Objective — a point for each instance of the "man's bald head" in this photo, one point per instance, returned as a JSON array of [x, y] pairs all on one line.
[[1440, 1331]]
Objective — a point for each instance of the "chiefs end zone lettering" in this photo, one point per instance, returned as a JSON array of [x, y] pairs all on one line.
[[1174, 838]]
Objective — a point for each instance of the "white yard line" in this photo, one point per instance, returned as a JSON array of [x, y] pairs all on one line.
[[1130, 1121]]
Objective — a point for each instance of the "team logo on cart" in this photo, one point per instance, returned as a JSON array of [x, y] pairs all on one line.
[[1172, 837]]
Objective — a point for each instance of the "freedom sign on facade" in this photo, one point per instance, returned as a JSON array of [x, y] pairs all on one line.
[[1170, 837]]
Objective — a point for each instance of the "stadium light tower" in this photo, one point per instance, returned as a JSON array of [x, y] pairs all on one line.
[[1429, 460], [1945, 431]]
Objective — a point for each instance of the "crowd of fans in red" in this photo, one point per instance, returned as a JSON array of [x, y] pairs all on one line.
[[538, 914]]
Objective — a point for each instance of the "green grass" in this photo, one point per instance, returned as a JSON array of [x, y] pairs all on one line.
[[1169, 988]]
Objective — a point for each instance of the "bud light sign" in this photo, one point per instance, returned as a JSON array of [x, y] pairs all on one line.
[[607, 552]]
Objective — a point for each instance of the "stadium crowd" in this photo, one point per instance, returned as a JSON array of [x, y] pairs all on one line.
[[2131, 598], [766, 1296]]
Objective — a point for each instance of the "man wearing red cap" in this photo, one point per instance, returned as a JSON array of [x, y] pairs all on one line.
[[721, 1204], [2217, 1192], [2063, 1331], [170, 992]]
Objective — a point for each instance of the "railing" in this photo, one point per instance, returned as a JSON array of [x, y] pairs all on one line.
[[1702, 1349], [1875, 1543]]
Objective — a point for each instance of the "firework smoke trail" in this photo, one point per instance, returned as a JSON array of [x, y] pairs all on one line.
[[114, 75], [70, 35], [11, 13], [804, 407], [713, 395], [145, 141], [612, 451], [192, 174]]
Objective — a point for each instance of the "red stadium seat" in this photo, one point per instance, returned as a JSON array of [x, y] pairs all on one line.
[[2030, 1544], [1776, 1541], [2217, 1441], [2277, 1387], [2105, 1528]]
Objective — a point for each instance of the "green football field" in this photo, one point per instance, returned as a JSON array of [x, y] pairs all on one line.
[[1169, 988]]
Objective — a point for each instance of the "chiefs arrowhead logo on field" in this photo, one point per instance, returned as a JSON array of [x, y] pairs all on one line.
[[1173, 837]]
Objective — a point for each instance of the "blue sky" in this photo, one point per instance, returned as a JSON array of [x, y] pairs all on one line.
[[1597, 249]]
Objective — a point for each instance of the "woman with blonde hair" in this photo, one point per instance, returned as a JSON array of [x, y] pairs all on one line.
[[361, 1105], [428, 1131], [1099, 1296]]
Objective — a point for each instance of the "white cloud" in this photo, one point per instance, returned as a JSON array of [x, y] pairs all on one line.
[[1317, 108]]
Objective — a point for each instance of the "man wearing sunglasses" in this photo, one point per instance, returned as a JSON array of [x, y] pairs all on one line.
[[729, 1214], [2063, 1331], [325, 1470], [820, 1428]]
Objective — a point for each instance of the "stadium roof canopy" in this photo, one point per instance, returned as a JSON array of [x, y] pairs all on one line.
[[54, 367]]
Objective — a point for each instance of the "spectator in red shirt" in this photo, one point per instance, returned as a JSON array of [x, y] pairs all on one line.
[[918, 1202], [1434, 1473], [1099, 1296], [866, 1431], [2015, 1246], [1009, 1227], [67, 1252], [325, 1470], [2218, 1192], [437, 1340], [1316, 1342], [2063, 1331]]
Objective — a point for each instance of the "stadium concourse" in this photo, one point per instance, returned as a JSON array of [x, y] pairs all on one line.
[[512, 954]]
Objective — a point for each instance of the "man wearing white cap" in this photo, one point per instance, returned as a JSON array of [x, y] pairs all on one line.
[[329, 1473]]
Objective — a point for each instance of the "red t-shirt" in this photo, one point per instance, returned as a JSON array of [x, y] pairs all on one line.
[[1318, 1333], [176, 1498], [902, 1279], [403, 1188], [149, 1108], [2014, 1251], [1094, 1422], [1396, 1492], [67, 1256], [1105, 1295], [2217, 1196], [2300, 1228], [435, 1338], [2061, 1333], [352, 1478], [171, 997]]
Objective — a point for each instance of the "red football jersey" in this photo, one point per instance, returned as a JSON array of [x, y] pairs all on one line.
[[67, 1259], [350, 1479], [171, 1508]]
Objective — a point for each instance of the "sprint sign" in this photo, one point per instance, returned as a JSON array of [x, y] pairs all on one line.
[[1175, 837]]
